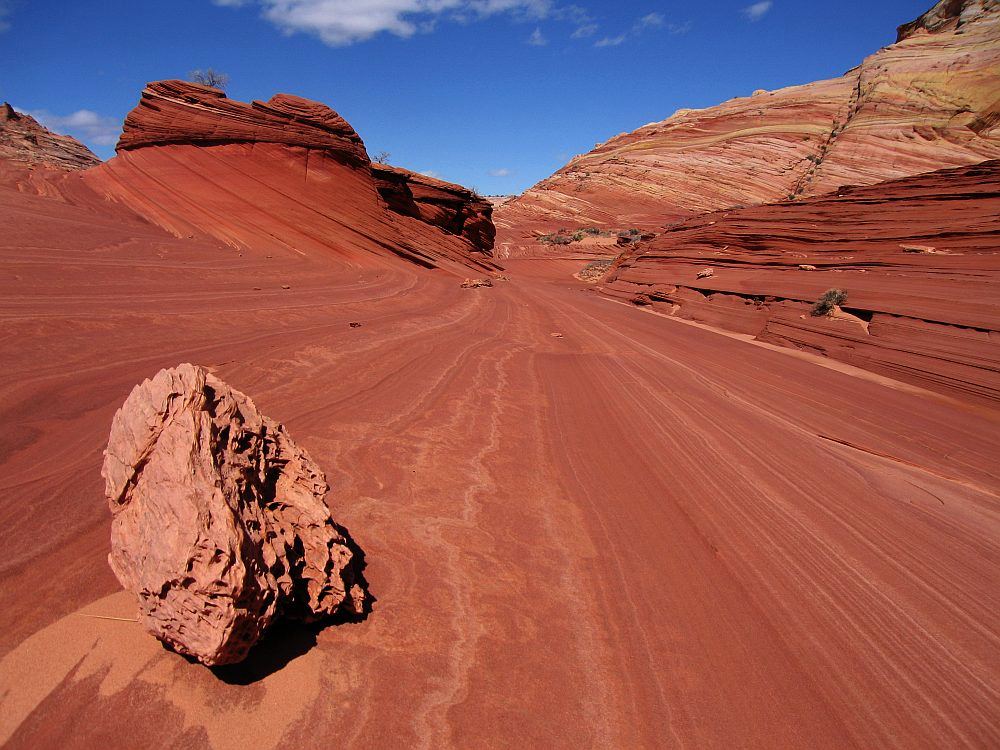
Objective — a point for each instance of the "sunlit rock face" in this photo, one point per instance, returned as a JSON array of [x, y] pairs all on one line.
[[219, 521], [927, 102]]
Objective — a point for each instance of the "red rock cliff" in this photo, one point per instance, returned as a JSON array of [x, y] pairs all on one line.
[[451, 207], [178, 112], [918, 259]]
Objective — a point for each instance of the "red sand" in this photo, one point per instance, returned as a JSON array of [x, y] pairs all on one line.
[[585, 525], [637, 534]]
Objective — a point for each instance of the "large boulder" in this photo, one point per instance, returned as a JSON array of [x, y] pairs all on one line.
[[219, 521]]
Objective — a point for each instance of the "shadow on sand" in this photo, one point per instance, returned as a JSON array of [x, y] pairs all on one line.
[[288, 639]]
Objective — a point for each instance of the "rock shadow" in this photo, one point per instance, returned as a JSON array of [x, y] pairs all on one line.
[[287, 639]]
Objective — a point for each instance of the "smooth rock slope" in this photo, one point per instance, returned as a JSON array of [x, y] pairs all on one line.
[[219, 521], [927, 102]]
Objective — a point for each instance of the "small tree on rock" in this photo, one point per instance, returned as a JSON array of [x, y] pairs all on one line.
[[382, 157], [210, 77]]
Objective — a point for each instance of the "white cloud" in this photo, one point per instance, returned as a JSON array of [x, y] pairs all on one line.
[[501, 172], [586, 30], [537, 39], [83, 124], [4, 12], [431, 173], [343, 22], [611, 41], [757, 11]]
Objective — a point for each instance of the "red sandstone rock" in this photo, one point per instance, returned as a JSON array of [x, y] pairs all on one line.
[[219, 521], [928, 102], [451, 207], [24, 141], [290, 175], [183, 112], [933, 309]]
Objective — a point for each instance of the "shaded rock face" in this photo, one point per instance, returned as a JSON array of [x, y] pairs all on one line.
[[451, 207], [219, 522], [929, 102], [24, 140]]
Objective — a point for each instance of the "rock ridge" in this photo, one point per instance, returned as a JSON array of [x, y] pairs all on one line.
[[180, 112]]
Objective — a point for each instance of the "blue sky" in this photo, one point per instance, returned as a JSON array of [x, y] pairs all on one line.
[[495, 94]]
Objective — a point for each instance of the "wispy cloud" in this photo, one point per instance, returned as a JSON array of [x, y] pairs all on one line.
[[648, 22], [4, 12], [84, 124], [431, 173], [757, 11], [537, 38], [611, 41], [586, 30], [343, 22], [651, 20], [501, 172]]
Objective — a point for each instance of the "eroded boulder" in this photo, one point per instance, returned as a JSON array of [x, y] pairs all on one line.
[[219, 522]]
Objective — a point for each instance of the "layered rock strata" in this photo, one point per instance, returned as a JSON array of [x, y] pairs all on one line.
[[919, 259], [927, 102], [32, 156], [288, 174]]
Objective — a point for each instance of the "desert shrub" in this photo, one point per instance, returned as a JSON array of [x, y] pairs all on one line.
[[592, 230], [594, 270], [555, 239], [830, 299], [577, 236]]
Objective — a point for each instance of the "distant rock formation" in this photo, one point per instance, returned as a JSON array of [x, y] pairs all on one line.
[[288, 174], [928, 102], [23, 140], [918, 257], [219, 521]]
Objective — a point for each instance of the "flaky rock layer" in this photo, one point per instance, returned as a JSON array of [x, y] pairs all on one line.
[[219, 521]]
